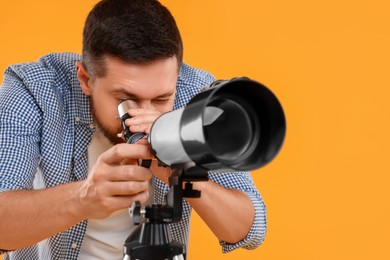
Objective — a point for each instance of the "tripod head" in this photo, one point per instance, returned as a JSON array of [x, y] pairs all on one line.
[[152, 239]]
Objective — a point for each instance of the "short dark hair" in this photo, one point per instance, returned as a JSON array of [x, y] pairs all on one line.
[[135, 31]]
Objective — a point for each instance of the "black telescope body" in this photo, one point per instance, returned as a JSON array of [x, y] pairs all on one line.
[[236, 124]]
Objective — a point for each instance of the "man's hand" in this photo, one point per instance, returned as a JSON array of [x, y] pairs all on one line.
[[141, 121], [115, 181]]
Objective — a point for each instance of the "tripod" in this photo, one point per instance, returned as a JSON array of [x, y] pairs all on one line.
[[152, 239]]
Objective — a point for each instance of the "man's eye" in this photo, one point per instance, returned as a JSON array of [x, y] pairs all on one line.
[[126, 99], [161, 100]]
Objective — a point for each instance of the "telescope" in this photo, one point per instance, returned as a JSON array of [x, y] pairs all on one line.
[[231, 125]]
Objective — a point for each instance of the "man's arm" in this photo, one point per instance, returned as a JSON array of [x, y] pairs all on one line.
[[230, 205], [229, 213], [29, 216]]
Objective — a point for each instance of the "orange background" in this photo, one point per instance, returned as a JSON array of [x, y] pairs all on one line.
[[328, 62]]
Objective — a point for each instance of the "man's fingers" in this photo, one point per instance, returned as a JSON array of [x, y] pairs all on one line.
[[115, 203], [142, 119], [129, 173], [127, 188], [141, 128], [118, 153], [135, 112]]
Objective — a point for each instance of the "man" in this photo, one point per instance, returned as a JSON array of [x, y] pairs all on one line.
[[67, 179]]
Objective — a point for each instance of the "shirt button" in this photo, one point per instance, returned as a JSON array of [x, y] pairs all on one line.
[[74, 246], [77, 119], [91, 126]]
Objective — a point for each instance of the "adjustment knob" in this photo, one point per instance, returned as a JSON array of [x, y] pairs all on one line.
[[135, 212]]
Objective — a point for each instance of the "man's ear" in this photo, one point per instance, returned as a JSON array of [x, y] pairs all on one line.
[[84, 78]]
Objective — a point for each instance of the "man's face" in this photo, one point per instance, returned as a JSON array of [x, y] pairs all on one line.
[[152, 86]]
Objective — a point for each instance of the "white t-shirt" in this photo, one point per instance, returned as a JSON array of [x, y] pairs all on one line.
[[104, 238]]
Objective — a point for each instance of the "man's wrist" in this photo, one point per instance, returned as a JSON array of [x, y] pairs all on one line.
[[75, 208]]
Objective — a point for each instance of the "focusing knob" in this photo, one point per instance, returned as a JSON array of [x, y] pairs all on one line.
[[136, 212]]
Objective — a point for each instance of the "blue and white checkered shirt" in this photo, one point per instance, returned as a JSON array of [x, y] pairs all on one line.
[[46, 124]]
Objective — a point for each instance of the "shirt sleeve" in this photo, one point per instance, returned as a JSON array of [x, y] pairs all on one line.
[[20, 124], [243, 181]]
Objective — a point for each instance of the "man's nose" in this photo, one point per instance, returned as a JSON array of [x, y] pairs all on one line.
[[145, 104]]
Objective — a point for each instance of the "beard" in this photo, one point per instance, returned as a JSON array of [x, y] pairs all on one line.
[[110, 132]]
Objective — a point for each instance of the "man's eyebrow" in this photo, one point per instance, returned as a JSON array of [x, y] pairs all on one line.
[[124, 91], [132, 95], [167, 94]]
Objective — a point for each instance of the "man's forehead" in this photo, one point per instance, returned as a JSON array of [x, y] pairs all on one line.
[[159, 75], [112, 63], [134, 93]]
